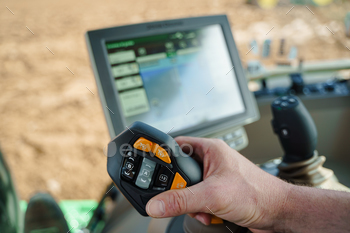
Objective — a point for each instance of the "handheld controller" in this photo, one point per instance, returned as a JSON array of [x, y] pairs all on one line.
[[295, 128], [143, 162]]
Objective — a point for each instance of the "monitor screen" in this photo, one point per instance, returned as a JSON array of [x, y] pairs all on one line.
[[180, 79]]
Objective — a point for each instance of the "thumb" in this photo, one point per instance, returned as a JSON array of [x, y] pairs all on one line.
[[178, 202]]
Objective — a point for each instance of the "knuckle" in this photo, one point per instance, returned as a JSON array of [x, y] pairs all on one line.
[[217, 141], [216, 148], [177, 204], [218, 144]]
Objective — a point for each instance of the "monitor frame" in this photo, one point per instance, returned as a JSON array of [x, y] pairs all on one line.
[[96, 43]]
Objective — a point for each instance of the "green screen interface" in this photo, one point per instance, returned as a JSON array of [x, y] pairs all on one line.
[[178, 79]]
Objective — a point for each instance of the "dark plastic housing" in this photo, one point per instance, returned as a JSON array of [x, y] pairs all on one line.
[[187, 167], [295, 128]]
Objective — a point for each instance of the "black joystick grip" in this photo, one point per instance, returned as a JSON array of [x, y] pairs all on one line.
[[295, 128]]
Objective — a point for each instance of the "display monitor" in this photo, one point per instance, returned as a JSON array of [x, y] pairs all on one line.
[[181, 76]]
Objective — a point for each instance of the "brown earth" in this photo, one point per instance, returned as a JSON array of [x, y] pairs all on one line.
[[52, 128]]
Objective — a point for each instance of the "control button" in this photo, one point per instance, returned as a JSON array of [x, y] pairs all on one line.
[[228, 136], [143, 144], [284, 132], [178, 182], [284, 97], [314, 88], [128, 174], [239, 141], [232, 145], [276, 102], [291, 100], [159, 152], [146, 172], [284, 104], [329, 86], [129, 154], [216, 220], [129, 167], [163, 176], [238, 133], [145, 175]]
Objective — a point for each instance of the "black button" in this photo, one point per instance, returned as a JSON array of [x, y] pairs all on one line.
[[284, 104], [284, 97], [128, 174], [130, 166], [163, 177], [276, 102], [291, 100]]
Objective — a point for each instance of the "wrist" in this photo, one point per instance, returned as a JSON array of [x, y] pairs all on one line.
[[281, 208], [272, 204], [317, 210], [294, 209]]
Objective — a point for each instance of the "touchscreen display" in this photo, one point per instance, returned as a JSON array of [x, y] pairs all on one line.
[[176, 80]]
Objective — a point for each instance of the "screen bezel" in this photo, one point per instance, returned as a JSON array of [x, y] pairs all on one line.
[[96, 41]]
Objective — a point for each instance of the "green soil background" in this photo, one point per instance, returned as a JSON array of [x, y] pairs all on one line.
[[52, 128]]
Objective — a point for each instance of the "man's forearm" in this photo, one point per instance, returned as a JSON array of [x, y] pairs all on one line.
[[315, 210]]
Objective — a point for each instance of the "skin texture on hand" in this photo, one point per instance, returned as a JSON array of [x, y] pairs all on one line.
[[233, 188], [315, 210]]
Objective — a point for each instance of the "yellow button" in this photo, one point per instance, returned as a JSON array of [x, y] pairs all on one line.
[[161, 153], [178, 182], [143, 144], [216, 220]]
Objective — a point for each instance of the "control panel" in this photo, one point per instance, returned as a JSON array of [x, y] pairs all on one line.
[[236, 138], [140, 170], [143, 162]]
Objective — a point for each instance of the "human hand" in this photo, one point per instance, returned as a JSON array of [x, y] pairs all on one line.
[[233, 188]]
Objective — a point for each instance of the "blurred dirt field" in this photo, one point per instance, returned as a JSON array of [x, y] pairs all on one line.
[[52, 128]]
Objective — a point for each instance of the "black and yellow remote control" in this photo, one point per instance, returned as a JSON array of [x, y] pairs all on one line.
[[144, 161]]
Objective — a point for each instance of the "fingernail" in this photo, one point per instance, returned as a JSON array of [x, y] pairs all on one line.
[[200, 218], [156, 208]]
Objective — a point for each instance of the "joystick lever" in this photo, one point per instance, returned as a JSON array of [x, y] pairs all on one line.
[[295, 128], [297, 133]]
